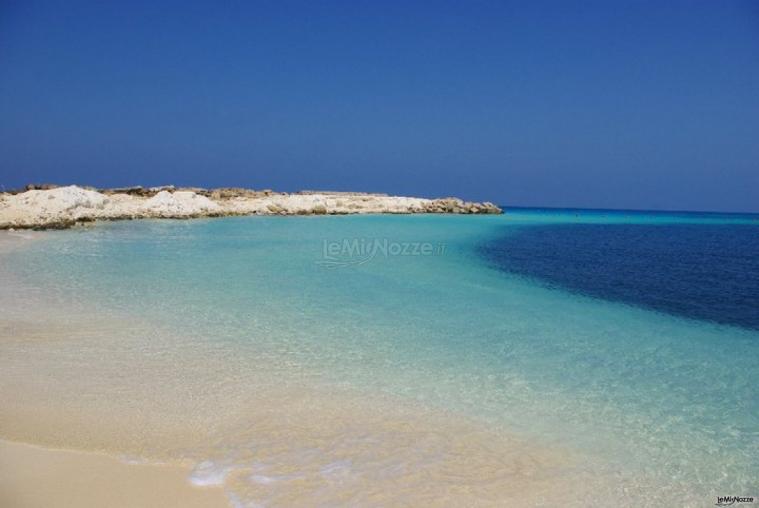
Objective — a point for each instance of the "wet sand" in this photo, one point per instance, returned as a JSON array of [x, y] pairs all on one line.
[[32, 477]]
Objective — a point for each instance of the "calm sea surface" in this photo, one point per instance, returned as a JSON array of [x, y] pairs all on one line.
[[628, 339]]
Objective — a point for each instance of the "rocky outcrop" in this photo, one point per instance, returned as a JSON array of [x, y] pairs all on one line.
[[235, 192], [62, 207], [138, 190], [456, 205], [58, 207], [179, 205]]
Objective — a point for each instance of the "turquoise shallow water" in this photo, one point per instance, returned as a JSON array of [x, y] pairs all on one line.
[[664, 400]]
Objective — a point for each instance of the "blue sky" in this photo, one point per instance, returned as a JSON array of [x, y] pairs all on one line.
[[651, 105]]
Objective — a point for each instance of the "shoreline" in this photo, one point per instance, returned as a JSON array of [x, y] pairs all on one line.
[[281, 434], [36, 476], [65, 207], [283, 446]]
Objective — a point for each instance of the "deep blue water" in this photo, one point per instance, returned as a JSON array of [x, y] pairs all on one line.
[[702, 271]]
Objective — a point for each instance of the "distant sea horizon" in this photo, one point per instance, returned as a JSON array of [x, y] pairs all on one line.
[[628, 210]]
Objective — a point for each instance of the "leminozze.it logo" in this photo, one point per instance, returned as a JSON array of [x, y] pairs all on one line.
[[358, 251], [731, 500]]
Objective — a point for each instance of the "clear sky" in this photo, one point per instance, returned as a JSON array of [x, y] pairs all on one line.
[[609, 104]]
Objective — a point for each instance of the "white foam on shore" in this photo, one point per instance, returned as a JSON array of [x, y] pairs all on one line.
[[209, 473], [262, 479]]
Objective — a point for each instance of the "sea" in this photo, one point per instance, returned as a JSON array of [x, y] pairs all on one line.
[[543, 357]]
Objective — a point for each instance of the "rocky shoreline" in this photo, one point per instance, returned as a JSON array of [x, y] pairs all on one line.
[[51, 207]]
